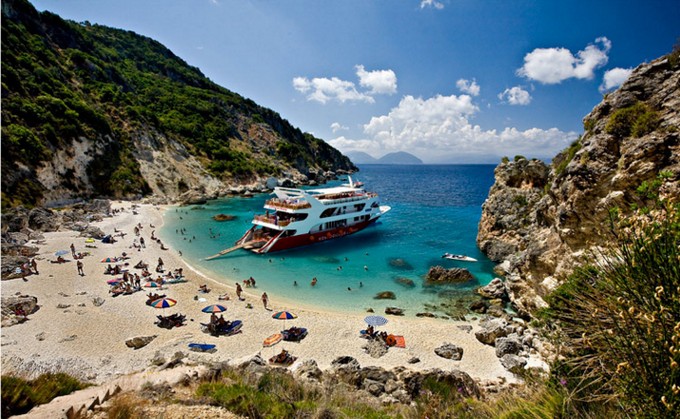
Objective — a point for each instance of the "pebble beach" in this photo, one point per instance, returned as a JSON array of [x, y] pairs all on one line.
[[70, 333]]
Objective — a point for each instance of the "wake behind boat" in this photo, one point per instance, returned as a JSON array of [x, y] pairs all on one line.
[[462, 258], [299, 217]]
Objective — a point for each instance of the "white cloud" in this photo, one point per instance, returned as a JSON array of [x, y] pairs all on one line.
[[439, 130], [469, 87], [431, 3], [378, 81], [324, 90], [515, 96], [614, 78], [553, 65], [336, 126]]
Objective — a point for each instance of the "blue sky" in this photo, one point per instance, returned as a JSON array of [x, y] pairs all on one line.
[[451, 81]]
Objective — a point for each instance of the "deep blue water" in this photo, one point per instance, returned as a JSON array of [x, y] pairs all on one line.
[[435, 209]]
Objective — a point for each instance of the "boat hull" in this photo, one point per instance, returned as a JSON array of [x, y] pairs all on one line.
[[285, 243]]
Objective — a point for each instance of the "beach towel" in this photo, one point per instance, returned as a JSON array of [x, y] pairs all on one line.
[[401, 342]]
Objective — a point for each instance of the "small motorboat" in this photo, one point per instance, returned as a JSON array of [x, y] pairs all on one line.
[[461, 258]]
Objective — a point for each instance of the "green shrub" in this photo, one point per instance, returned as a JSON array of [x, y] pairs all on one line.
[[619, 317], [636, 120], [519, 157], [568, 156], [19, 395], [505, 159]]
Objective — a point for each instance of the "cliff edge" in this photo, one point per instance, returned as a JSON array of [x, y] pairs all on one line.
[[540, 221]]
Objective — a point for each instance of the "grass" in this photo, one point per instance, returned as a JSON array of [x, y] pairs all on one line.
[[19, 395]]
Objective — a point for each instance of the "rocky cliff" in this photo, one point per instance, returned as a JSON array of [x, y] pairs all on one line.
[[90, 111], [540, 220]]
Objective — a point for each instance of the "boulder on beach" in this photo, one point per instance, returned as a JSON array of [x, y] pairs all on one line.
[[396, 311], [450, 351], [139, 341], [438, 275]]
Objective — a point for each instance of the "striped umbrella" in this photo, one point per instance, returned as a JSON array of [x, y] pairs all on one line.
[[163, 303], [375, 320], [284, 315], [214, 308]]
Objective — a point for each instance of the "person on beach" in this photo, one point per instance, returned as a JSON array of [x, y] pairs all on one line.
[[141, 242], [73, 250], [80, 268], [239, 290], [313, 281], [34, 266], [265, 300]]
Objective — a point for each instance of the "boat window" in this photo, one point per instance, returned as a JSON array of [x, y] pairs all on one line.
[[299, 216], [359, 207], [327, 213]]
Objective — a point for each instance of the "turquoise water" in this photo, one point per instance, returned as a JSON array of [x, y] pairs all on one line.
[[435, 209]]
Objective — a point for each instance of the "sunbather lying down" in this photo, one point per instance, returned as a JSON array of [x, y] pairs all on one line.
[[284, 358], [204, 289]]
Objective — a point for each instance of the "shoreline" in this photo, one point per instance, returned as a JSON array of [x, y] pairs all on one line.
[[70, 334]]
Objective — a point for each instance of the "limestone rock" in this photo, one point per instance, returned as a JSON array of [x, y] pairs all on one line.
[[491, 329], [438, 275], [539, 220], [385, 295], [308, 369], [405, 282], [346, 368], [507, 345], [513, 363], [396, 311], [16, 308], [495, 289], [139, 341], [450, 351]]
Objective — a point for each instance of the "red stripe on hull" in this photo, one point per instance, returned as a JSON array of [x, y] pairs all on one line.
[[307, 239]]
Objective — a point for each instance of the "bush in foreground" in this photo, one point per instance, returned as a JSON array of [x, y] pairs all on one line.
[[19, 395]]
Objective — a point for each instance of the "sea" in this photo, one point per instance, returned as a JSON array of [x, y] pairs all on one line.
[[435, 209]]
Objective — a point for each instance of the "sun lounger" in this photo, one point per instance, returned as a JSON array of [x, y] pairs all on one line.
[[228, 329], [173, 320], [202, 347], [294, 334]]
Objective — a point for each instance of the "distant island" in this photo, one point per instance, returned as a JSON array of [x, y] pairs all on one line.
[[399, 157]]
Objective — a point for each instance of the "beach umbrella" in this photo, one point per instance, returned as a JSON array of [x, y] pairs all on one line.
[[214, 308], [61, 252], [284, 315], [163, 303], [108, 260], [375, 320]]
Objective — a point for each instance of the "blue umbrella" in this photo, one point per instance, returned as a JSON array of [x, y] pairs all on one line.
[[375, 320], [61, 252]]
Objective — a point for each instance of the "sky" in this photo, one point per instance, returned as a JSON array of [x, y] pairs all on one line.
[[450, 81]]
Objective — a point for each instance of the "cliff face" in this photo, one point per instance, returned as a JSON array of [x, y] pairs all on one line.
[[540, 221], [90, 111]]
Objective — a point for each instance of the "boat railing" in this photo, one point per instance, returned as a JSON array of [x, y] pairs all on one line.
[[272, 220], [288, 204], [327, 200]]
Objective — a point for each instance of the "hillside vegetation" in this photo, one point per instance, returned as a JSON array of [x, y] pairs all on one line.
[[90, 106]]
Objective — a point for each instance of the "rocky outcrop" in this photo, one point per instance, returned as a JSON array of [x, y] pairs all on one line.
[[139, 341], [450, 351], [15, 309], [539, 221], [438, 275]]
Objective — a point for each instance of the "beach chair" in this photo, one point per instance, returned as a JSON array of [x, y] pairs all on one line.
[[294, 334]]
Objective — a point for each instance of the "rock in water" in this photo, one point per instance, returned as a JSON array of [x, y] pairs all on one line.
[[385, 295], [405, 282], [224, 217], [450, 351], [139, 341], [400, 264], [438, 275]]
